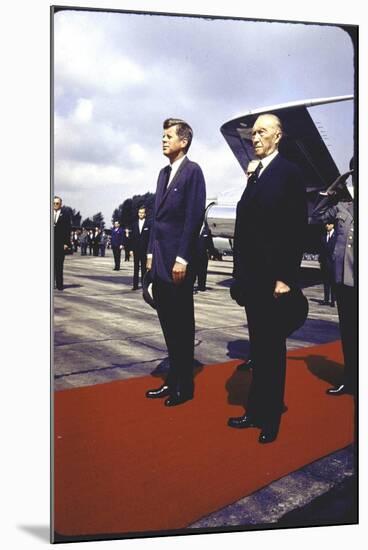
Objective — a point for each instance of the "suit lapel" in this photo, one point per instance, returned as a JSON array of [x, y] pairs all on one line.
[[250, 193], [164, 194]]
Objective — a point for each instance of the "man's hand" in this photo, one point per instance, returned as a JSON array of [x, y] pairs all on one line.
[[66, 247], [149, 263], [178, 272], [121, 247], [280, 288]]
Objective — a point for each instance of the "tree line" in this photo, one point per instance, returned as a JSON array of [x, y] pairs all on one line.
[[125, 213]]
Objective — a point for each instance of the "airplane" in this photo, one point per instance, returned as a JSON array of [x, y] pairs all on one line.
[[301, 143]]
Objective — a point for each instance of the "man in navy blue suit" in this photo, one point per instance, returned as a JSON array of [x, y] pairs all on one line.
[[116, 244], [270, 223], [171, 257]]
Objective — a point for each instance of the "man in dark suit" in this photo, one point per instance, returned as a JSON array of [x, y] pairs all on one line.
[[140, 238], [340, 211], [326, 263], [205, 248], [62, 241], [127, 243], [177, 219], [96, 241], [268, 243], [117, 244]]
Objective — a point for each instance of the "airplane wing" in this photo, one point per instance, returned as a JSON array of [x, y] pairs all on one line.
[[301, 143]]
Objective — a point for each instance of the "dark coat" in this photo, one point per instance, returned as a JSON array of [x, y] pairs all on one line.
[[139, 241], [62, 231], [270, 226], [342, 215], [205, 242], [326, 254], [116, 237], [177, 219]]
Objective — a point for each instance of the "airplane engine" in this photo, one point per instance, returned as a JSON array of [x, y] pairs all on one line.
[[221, 220]]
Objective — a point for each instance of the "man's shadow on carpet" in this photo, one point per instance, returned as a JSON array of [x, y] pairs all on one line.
[[323, 368]]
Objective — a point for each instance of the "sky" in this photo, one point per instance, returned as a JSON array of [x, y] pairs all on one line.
[[117, 76]]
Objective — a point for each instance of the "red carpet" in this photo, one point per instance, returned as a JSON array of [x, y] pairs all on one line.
[[126, 464]]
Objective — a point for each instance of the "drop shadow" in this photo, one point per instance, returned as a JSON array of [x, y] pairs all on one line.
[[40, 532]]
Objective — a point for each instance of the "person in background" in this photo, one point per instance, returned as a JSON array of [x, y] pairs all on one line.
[[84, 242], [127, 244], [62, 241], [116, 244], [326, 264], [103, 243], [96, 241], [139, 243], [339, 211], [90, 241], [205, 249]]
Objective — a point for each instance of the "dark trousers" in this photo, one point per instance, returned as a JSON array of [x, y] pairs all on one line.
[[102, 249], [59, 256], [83, 249], [329, 291], [268, 345], [96, 248], [116, 250], [347, 310], [127, 253], [140, 261], [328, 285], [202, 271], [175, 309]]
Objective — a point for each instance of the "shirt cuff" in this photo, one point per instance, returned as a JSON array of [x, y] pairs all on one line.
[[181, 260], [149, 255]]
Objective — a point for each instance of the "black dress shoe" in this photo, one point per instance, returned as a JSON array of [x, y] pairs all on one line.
[[134, 288], [178, 398], [267, 436], [339, 390], [162, 391], [241, 422], [243, 367]]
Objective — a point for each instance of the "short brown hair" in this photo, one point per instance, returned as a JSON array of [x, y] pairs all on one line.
[[183, 130]]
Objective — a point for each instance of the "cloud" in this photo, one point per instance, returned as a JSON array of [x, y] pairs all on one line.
[[119, 75]]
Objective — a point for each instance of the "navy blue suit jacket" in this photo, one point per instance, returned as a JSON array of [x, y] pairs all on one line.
[[177, 219], [116, 236], [270, 226]]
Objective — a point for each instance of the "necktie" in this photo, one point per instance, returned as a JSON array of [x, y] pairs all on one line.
[[255, 174], [167, 176], [253, 178]]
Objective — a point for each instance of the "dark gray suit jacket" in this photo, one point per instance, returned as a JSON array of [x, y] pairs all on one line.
[[270, 226]]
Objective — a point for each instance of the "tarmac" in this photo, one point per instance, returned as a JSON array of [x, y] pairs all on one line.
[[104, 331]]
